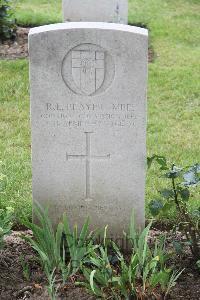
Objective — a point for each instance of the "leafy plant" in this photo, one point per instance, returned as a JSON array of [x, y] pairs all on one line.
[[64, 267], [78, 245], [99, 277], [143, 275], [105, 275], [52, 288], [45, 241], [178, 196], [6, 216], [172, 281], [152, 262], [7, 21], [51, 246], [125, 279]]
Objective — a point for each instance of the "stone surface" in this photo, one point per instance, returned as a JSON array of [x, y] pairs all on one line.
[[111, 11], [88, 115]]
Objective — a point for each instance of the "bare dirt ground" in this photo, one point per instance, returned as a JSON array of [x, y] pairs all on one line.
[[18, 48], [15, 285]]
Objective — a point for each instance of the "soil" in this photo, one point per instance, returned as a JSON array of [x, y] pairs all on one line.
[[18, 48], [15, 285]]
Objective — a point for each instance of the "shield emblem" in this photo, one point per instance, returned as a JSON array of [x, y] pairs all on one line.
[[88, 70]]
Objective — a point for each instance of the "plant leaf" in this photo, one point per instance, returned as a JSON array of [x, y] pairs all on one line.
[[178, 247], [185, 194], [161, 160], [92, 280], [155, 206], [192, 176], [167, 193]]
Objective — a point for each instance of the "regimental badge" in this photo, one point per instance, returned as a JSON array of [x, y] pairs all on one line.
[[88, 69]]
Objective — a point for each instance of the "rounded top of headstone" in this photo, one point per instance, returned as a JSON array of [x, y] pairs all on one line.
[[89, 25]]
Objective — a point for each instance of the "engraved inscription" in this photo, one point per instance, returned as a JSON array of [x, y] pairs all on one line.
[[88, 157], [89, 116], [88, 69]]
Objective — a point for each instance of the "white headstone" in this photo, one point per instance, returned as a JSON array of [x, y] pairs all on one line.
[[88, 115], [111, 11]]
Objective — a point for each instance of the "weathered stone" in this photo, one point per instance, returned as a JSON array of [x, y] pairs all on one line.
[[111, 11], [88, 115]]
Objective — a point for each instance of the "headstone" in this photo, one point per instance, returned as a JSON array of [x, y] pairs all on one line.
[[111, 11], [88, 115]]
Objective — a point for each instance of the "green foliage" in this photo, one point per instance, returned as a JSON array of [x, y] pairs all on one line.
[[65, 267], [182, 181], [52, 288], [139, 277], [50, 247], [172, 281], [151, 262], [25, 268], [45, 241], [6, 217], [7, 21], [126, 279], [99, 277], [106, 271], [79, 245]]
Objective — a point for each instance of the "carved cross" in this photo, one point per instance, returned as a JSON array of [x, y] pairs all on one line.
[[88, 157]]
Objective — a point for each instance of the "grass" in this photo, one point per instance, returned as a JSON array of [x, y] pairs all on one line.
[[173, 92], [38, 12], [15, 188]]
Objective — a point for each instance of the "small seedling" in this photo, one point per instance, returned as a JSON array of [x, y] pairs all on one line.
[[52, 288], [25, 268]]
